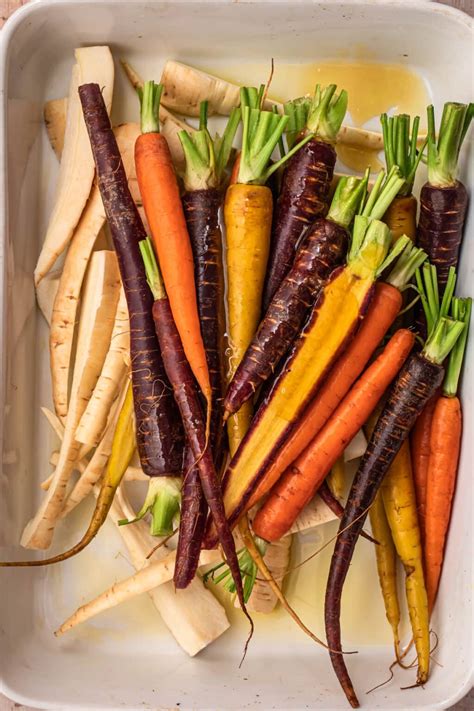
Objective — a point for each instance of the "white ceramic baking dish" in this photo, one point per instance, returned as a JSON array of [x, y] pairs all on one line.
[[126, 659]]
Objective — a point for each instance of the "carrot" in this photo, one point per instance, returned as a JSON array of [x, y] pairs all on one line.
[[302, 479], [386, 557], [419, 378], [158, 429], [326, 495], [445, 444], [164, 211], [185, 392], [323, 248], [399, 500], [382, 312], [400, 146], [443, 199], [330, 326], [304, 194], [420, 453], [248, 209], [123, 447]]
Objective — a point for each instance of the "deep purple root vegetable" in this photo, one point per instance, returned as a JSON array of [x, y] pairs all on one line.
[[158, 427], [192, 523], [416, 383], [304, 196], [201, 209], [185, 392], [323, 249], [440, 228]]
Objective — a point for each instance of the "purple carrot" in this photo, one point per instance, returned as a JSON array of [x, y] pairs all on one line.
[[418, 380], [324, 247], [186, 395], [306, 182], [158, 429]]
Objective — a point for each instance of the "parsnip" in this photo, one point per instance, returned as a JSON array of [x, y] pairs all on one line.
[[170, 125], [96, 466], [55, 112], [356, 447], [313, 515], [100, 303], [93, 64], [193, 616], [67, 298], [277, 558], [94, 419], [156, 573], [185, 87]]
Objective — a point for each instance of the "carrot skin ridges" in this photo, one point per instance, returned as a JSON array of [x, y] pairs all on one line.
[[162, 202], [181, 378], [382, 312], [401, 217], [201, 210], [440, 227], [420, 455], [158, 427], [304, 196], [416, 383], [446, 431], [192, 523], [323, 249], [303, 478]]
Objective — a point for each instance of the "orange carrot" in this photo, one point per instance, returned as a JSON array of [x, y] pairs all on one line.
[[161, 200], [445, 445], [420, 454], [302, 479], [383, 310]]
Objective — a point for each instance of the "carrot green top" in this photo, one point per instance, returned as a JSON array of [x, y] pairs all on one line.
[[322, 115], [207, 158], [400, 146], [406, 266], [262, 131], [150, 97], [347, 199], [461, 311], [443, 153], [153, 273]]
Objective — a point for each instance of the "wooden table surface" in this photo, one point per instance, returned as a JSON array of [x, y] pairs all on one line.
[[7, 7]]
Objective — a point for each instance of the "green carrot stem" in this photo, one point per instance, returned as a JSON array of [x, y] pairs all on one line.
[[374, 243], [347, 198], [223, 145], [427, 284], [281, 145], [400, 146], [297, 112], [441, 342], [382, 194], [203, 108], [395, 251], [248, 570], [448, 292], [326, 112], [150, 107], [153, 274], [407, 264], [461, 311], [162, 501], [443, 153]]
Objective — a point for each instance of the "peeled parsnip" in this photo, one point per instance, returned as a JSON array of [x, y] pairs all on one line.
[[155, 574], [67, 299], [46, 294], [93, 64], [55, 112], [193, 616], [185, 87], [94, 419], [314, 514], [98, 312]]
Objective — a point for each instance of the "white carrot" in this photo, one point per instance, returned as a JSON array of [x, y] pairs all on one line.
[[55, 113], [46, 294], [100, 304], [96, 466], [277, 559], [94, 419], [93, 64], [78, 256], [146, 579]]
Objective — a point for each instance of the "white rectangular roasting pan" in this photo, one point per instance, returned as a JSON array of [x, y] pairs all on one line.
[[126, 659]]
